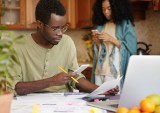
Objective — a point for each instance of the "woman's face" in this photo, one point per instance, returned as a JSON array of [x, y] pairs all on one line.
[[106, 9]]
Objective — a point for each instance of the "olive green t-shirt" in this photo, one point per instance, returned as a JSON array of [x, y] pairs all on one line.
[[36, 63]]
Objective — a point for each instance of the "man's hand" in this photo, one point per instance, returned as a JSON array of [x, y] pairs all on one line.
[[112, 91], [62, 78], [74, 74]]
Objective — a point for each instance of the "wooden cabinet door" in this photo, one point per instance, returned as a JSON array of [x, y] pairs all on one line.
[[15, 14], [79, 12], [30, 12], [156, 5], [70, 11], [84, 13]]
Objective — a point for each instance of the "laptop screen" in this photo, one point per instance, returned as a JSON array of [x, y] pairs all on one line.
[[142, 79]]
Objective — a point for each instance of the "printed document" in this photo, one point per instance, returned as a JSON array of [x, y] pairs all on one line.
[[106, 86]]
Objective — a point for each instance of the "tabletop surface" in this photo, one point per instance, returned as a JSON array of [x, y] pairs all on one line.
[[53, 103]]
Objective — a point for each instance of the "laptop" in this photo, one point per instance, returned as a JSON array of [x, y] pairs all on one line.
[[142, 79]]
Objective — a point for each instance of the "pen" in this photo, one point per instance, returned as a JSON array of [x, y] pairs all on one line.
[[66, 73]]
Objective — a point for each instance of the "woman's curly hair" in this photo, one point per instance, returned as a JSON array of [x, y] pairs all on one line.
[[120, 9]]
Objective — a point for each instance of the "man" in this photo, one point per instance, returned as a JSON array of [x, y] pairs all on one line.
[[40, 54]]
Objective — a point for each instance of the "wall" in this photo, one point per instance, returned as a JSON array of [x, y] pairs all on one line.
[[149, 31], [77, 36]]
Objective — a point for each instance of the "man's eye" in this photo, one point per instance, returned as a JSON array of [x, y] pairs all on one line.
[[55, 28]]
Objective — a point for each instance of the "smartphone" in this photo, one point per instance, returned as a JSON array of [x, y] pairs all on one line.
[[95, 31]]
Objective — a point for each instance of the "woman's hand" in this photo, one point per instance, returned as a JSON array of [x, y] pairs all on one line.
[[95, 38], [105, 37]]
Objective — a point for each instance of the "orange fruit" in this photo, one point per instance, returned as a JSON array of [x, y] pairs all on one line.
[[145, 112], [136, 108], [134, 111], [122, 110], [155, 98], [147, 105]]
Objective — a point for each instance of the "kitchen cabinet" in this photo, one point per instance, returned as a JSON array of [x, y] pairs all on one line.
[[77, 18], [139, 8], [20, 14], [14, 13], [79, 12], [156, 5], [30, 12]]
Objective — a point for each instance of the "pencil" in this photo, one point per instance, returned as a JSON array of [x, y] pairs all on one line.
[[66, 73], [62, 69]]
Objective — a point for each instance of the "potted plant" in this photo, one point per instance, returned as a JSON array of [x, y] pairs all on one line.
[[6, 54]]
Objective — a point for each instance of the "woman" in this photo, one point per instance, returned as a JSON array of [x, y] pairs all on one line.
[[114, 41]]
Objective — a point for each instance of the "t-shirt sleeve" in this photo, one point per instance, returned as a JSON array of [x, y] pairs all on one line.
[[73, 65], [14, 74]]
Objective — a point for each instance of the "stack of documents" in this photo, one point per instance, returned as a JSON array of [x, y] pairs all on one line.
[[59, 102], [51, 103]]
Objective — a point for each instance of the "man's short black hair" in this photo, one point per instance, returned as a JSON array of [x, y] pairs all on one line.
[[45, 8]]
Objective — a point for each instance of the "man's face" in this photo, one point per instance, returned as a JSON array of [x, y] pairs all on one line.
[[52, 32]]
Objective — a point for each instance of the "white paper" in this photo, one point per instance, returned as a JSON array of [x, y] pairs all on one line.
[[81, 68], [51, 103], [68, 109], [106, 86], [75, 95]]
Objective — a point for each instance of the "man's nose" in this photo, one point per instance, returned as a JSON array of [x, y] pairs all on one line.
[[59, 32]]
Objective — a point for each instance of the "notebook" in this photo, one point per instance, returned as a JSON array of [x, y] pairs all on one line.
[[142, 79]]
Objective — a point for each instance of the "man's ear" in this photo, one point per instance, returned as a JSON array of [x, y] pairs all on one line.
[[39, 24]]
